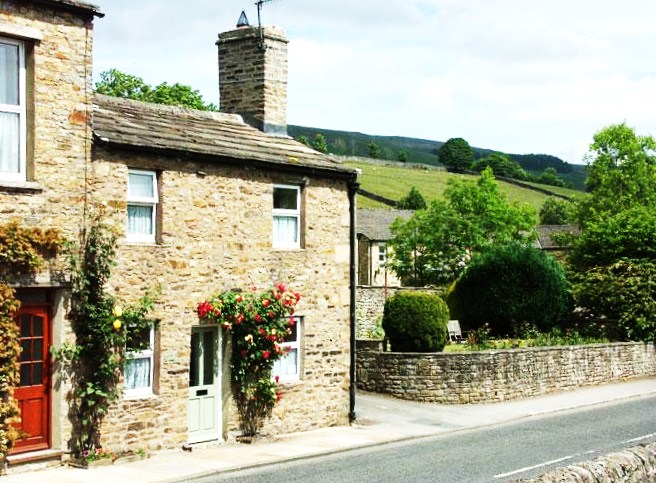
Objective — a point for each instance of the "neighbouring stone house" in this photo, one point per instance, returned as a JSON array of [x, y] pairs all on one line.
[[373, 231], [204, 202]]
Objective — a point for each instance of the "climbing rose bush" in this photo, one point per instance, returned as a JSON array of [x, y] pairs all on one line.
[[259, 322]]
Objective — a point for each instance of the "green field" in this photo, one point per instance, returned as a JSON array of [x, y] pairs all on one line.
[[394, 181]]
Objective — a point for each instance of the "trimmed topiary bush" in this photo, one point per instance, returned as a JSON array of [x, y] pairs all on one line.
[[415, 322], [509, 288]]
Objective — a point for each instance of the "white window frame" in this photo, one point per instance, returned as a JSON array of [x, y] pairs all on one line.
[[21, 110], [382, 254], [291, 345], [279, 212], [147, 353], [143, 201]]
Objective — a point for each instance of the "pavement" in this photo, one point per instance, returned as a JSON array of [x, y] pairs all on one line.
[[380, 420]]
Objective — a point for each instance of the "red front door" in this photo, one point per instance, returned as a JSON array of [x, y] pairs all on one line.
[[33, 393]]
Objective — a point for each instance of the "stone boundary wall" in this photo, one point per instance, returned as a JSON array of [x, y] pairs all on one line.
[[637, 464], [494, 376]]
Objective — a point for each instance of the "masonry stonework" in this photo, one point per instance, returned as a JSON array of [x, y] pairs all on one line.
[[58, 46], [494, 376], [253, 76], [216, 236]]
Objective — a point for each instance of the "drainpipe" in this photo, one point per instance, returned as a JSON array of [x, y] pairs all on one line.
[[352, 190]]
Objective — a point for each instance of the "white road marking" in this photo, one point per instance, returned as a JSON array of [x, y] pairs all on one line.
[[640, 438], [529, 468]]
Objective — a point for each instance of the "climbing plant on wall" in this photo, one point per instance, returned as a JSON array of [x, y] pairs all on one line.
[[258, 322], [22, 252], [102, 327]]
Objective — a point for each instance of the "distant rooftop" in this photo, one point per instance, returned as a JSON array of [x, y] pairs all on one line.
[[375, 224]]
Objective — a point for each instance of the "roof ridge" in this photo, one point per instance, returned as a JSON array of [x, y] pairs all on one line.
[[168, 109]]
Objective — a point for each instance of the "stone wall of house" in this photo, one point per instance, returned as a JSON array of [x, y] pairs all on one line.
[[216, 235], [58, 65], [59, 103], [492, 376]]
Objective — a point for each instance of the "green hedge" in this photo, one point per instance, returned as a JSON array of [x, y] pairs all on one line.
[[511, 287], [415, 322]]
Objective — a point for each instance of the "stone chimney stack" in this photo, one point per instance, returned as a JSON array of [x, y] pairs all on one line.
[[253, 76]]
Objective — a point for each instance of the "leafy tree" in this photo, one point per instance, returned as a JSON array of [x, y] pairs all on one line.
[[501, 165], [614, 256], [621, 172], [630, 234], [119, 84], [374, 150], [624, 294], [510, 287], [304, 140], [413, 201], [320, 143], [403, 157], [550, 177], [556, 211], [456, 154], [435, 244]]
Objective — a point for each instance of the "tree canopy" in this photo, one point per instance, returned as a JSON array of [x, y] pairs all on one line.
[[435, 244], [614, 256], [412, 201], [119, 84], [501, 165], [456, 154]]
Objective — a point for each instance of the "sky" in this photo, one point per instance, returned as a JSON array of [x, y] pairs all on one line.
[[515, 76]]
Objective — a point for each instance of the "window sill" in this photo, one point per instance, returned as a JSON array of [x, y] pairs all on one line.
[[138, 397], [20, 187]]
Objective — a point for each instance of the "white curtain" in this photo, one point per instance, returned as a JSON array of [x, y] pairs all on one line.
[[140, 220], [285, 230], [137, 373], [9, 143], [9, 74], [9, 121], [287, 365]]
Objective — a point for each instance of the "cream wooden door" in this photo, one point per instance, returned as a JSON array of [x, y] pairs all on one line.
[[204, 407]]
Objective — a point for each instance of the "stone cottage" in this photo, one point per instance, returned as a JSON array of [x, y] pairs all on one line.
[[373, 232], [204, 202]]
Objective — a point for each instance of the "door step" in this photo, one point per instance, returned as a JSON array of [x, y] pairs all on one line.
[[33, 461]]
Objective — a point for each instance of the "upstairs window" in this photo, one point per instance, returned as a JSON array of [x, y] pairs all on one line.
[[382, 254], [142, 206], [286, 216], [12, 111]]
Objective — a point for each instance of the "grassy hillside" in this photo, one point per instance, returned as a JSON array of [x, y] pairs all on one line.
[[394, 180], [424, 151]]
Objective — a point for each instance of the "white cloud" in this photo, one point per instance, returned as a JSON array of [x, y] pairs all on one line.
[[509, 75]]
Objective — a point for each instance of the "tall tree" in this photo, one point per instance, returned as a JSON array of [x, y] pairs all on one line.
[[412, 201], [435, 244], [456, 154], [320, 143], [621, 172], [119, 84], [374, 150]]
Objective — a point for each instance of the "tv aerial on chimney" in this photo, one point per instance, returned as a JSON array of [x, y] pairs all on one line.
[[259, 5]]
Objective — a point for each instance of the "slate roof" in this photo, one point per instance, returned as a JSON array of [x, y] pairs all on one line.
[[73, 5], [374, 224], [209, 135]]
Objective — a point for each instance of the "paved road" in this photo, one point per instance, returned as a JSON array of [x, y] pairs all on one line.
[[503, 453]]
